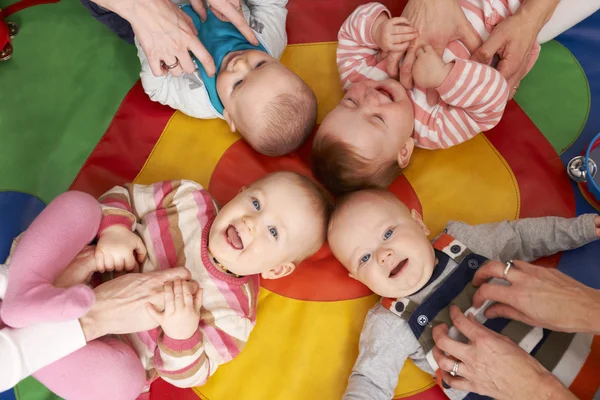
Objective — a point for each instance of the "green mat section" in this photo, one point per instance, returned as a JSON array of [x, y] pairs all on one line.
[[60, 90], [556, 96]]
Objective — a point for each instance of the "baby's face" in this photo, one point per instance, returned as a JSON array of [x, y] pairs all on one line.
[[376, 118], [247, 81], [267, 225], [382, 244]]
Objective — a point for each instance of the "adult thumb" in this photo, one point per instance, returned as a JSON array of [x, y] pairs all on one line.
[[470, 38], [154, 313]]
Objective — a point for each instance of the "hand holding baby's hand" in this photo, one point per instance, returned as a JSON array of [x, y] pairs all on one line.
[[181, 316], [118, 249], [80, 270], [429, 70], [393, 34]]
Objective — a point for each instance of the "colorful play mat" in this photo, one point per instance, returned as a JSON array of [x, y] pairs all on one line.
[[73, 116]]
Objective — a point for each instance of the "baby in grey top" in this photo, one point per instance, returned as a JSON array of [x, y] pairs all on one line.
[[384, 245]]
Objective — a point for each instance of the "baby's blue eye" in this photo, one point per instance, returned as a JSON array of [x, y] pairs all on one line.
[[256, 204], [273, 232], [365, 258], [387, 234]]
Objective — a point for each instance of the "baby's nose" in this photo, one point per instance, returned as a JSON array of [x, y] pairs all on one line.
[[249, 223], [383, 255]]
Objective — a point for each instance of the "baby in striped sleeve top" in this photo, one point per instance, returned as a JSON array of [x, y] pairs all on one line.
[[383, 244], [263, 232], [369, 137]]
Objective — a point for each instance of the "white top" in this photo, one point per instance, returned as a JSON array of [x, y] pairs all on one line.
[[24, 351], [187, 93]]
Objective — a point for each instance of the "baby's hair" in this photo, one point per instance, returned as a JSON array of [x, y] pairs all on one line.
[[342, 170], [289, 121], [322, 205]]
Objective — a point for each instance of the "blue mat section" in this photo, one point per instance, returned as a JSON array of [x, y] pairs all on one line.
[[17, 211], [8, 395], [583, 40]]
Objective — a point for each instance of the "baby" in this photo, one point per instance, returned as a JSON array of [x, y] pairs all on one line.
[[271, 107], [265, 231], [368, 139], [384, 245]]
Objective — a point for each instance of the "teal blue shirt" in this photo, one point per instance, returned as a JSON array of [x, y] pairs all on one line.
[[220, 38]]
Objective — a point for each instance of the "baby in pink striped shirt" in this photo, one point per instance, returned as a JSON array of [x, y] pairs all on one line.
[[265, 231], [370, 136]]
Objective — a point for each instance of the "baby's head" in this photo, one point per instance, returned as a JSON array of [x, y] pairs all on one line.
[[366, 141], [271, 107], [271, 226], [381, 243]]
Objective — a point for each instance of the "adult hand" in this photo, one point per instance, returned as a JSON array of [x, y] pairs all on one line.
[[491, 364], [538, 296], [513, 38], [228, 11], [120, 305], [438, 23]]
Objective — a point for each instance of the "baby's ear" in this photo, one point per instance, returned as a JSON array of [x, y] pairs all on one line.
[[406, 152], [419, 220], [229, 121], [279, 272]]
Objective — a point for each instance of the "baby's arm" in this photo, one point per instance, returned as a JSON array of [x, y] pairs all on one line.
[[267, 18], [472, 99], [184, 93], [190, 362], [382, 352], [527, 239], [367, 32]]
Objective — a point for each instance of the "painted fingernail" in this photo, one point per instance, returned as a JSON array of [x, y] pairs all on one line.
[[445, 385]]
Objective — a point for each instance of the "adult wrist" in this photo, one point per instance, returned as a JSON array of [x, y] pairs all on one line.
[[553, 389], [537, 12], [593, 316], [89, 328]]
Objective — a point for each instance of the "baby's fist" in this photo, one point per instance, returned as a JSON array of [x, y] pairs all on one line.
[[597, 223], [430, 71], [393, 34], [118, 249]]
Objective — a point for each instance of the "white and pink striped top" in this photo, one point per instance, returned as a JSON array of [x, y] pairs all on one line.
[[173, 218], [473, 96]]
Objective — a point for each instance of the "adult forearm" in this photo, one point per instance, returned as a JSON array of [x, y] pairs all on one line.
[[592, 322], [538, 12], [125, 8]]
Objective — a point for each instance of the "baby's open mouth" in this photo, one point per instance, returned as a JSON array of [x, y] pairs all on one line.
[[234, 238], [398, 268]]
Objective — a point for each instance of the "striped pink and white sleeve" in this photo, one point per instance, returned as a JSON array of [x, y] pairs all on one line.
[[189, 363], [357, 52], [472, 100], [116, 208]]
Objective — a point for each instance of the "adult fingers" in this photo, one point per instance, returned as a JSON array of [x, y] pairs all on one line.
[[486, 51], [432, 97], [154, 313], [173, 66], [512, 69], [493, 292], [400, 21], [406, 68], [457, 382], [237, 19], [399, 48], [464, 325], [99, 256], [495, 269], [198, 6], [172, 274], [443, 361], [404, 30], [499, 310], [203, 56], [470, 37], [450, 346], [186, 62]]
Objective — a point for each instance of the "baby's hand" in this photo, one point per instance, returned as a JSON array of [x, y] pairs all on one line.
[[429, 70], [116, 247], [597, 221], [393, 34], [181, 316], [80, 270]]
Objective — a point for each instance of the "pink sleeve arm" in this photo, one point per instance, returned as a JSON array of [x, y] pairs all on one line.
[[472, 100], [357, 52]]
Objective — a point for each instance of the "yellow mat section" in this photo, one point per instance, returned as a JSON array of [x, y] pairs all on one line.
[[305, 350]]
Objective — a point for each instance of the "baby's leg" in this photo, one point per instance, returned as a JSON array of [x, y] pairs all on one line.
[[104, 369], [46, 248]]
